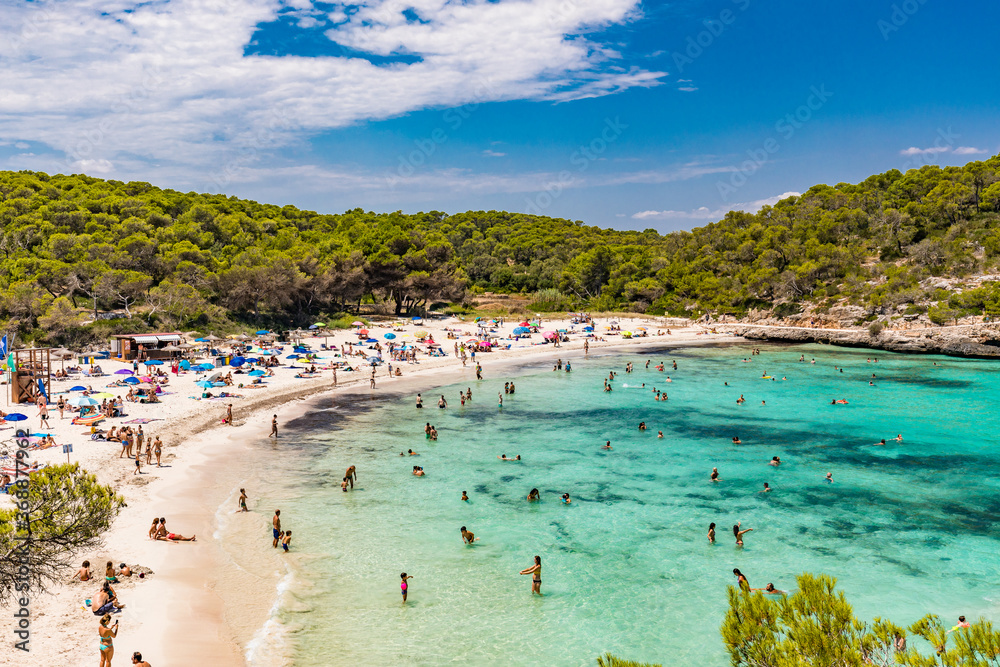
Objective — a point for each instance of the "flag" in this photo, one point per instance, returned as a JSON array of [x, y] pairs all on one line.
[[10, 362], [3, 346]]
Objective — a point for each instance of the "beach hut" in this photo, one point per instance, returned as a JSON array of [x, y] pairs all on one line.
[[127, 347]]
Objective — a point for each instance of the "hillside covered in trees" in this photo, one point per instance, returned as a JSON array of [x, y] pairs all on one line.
[[75, 248]]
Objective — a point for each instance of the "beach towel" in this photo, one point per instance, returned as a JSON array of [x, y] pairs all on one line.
[[87, 421]]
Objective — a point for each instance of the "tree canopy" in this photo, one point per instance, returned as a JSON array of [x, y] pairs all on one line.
[[75, 246]]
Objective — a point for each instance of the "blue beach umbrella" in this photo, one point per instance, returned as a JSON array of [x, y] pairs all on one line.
[[15, 417], [202, 340], [292, 356], [588, 328], [206, 366], [82, 400], [263, 332], [123, 371], [153, 362], [372, 340], [237, 362], [389, 336], [256, 373], [204, 384], [78, 388], [185, 364], [312, 327], [131, 380], [522, 330]]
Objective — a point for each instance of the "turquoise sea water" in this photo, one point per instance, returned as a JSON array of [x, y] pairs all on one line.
[[907, 528]]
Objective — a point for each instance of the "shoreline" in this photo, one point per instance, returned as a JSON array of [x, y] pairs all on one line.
[[181, 613]]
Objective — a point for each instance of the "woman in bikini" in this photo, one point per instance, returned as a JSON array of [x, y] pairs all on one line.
[[107, 636], [536, 578], [738, 534]]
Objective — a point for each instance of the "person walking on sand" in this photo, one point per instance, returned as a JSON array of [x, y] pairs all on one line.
[[274, 427], [479, 372], [157, 450], [243, 500], [43, 413], [276, 528], [536, 572], [403, 585], [107, 635], [229, 415]]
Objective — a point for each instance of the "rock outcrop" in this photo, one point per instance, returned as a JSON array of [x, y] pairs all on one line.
[[980, 341]]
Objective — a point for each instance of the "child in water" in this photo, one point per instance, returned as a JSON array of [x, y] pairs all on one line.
[[403, 585]]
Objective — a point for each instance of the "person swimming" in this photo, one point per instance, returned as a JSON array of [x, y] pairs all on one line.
[[533, 495], [715, 474], [607, 445], [737, 441], [775, 461]]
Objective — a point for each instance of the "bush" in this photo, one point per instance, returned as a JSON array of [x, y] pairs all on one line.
[[874, 329]]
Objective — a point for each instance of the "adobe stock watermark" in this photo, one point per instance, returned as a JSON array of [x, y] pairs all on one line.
[[581, 158], [696, 44], [21, 553], [900, 14], [424, 148], [785, 128], [90, 141], [31, 28], [248, 147]]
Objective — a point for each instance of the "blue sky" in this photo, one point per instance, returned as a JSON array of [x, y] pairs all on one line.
[[617, 113]]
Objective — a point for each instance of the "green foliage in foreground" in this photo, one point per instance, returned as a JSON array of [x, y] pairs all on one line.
[[608, 660], [67, 511], [816, 627], [73, 246]]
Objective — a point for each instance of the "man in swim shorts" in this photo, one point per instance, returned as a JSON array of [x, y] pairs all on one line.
[[276, 527]]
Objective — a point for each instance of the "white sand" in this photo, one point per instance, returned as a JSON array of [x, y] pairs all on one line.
[[183, 614]]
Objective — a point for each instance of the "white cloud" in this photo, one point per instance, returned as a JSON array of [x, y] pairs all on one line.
[[109, 82], [707, 214], [21, 145], [969, 150], [687, 89], [99, 166], [491, 153], [913, 150]]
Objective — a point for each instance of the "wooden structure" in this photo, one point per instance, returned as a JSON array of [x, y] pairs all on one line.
[[32, 375], [144, 346]]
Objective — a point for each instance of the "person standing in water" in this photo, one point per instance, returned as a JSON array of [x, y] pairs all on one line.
[[403, 586], [738, 534], [741, 580], [276, 527], [536, 572], [711, 533], [243, 500], [274, 427]]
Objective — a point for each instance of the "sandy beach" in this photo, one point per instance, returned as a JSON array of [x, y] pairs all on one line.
[[201, 604]]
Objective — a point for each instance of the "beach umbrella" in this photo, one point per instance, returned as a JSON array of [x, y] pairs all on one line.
[[371, 340], [588, 328], [389, 336], [363, 332], [416, 319], [319, 324], [103, 394], [171, 348], [357, 324], [15, 417], [420, 334], [263, 332], [524, 324], [204, 384], [640, 328], [131, 381], [201, 340], [256, 373], [206, 367], [185, 365], [211, 338], [153, 362], [522, 330], [123, 371], [549, 335], [313, 326], [78, 388], [292, 356], [252, 360], [82, 400], [237, 362]]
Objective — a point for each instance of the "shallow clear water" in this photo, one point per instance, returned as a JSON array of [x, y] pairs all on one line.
[[907, 528]]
